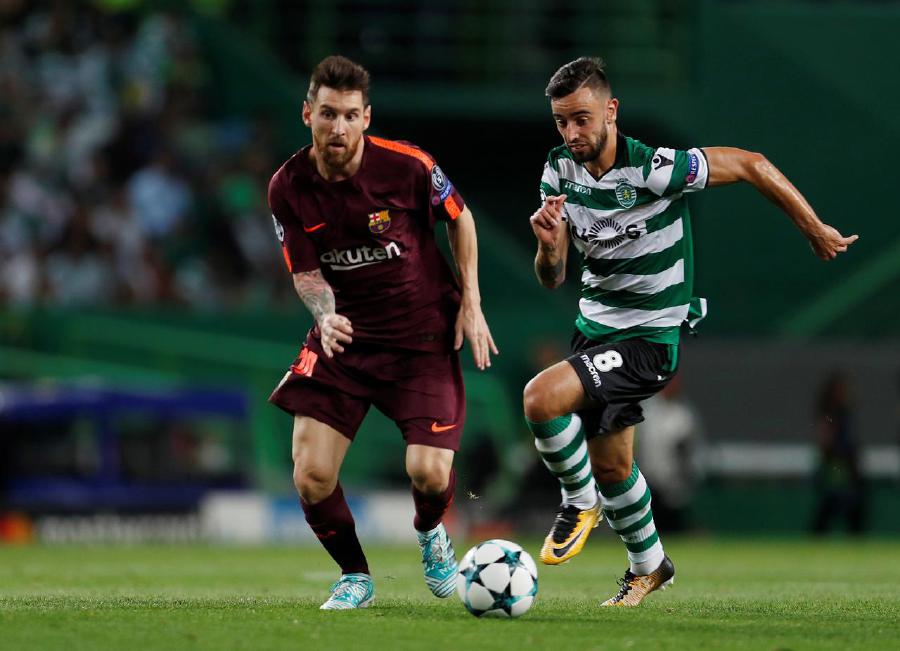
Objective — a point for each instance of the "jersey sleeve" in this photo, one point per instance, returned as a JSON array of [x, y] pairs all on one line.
[[296, 246], [670, 171], [444, 200], [549, 182]]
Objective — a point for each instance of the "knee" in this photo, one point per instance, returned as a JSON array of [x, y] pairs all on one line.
[[313, 483], [536, 402], [429, 476]]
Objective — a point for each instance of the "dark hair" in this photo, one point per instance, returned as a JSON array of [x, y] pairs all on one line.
[[339, 73], [583, 71]]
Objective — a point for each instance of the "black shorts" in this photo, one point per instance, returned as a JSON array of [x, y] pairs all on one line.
[[618, 376]]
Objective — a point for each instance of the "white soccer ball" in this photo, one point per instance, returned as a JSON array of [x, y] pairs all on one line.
[[497, 578]]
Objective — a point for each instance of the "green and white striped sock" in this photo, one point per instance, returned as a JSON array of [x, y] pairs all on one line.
[[563, 449], [626, 506]]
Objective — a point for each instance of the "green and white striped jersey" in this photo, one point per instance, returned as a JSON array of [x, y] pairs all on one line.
[[632, 225]]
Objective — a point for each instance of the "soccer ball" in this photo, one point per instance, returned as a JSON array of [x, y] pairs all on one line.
[[497, 578]]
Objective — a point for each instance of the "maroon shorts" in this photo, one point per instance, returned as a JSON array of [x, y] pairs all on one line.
[[422, 392]]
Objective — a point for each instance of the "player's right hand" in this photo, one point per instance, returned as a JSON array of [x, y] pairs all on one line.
[[335, 330], [827, 242], [548, 219]]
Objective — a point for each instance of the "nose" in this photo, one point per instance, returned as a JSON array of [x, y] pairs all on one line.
[[339, 126], [571, 132]]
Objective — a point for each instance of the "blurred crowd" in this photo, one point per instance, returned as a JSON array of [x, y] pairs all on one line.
[[119, 182]]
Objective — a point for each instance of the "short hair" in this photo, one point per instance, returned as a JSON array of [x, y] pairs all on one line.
[[583, 71], [339, 73]]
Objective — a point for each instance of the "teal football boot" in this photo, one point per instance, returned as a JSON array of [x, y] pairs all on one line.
[[350, 591], [439, 561]]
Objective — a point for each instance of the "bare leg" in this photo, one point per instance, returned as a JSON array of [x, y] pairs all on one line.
[[318, 451], [433, 481]]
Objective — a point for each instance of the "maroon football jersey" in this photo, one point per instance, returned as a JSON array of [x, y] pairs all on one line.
[[372, 235]]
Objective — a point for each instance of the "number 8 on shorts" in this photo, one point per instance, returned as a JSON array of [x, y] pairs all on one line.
[[607, 361]]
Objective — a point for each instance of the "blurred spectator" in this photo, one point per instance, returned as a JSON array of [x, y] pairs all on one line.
[[80, 269], [669, 447], [159, 197], [118, 183], [839, 484]]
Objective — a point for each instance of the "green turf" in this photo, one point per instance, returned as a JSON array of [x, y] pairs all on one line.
[[728, 595]]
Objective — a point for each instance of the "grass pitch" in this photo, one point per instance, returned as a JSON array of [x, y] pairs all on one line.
[[727, 595]]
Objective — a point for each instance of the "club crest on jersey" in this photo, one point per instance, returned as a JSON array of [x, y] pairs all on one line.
[[379, 221], [626, 194]]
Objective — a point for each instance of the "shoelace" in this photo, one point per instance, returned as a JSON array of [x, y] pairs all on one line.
[[438, 552], [566, 519], [348, 587], [624, 585]]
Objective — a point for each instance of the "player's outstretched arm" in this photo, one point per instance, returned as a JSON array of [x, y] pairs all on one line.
[[730, 165], [318, 297], [553, 242], [470, 322]]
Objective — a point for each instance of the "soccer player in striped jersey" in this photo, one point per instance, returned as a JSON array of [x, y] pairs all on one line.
[[623, 206]]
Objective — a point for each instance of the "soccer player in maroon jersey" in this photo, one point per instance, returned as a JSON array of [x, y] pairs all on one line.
[[355, 216]]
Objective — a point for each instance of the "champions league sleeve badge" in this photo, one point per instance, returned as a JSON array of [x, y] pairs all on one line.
[[441, 184]]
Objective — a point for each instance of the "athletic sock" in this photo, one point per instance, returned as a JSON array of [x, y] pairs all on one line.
[[563, 450], [626, 505], [333, 525], [430, 509]]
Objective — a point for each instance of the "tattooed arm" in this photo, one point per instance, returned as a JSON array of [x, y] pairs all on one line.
[[553, 242], [318, 297]]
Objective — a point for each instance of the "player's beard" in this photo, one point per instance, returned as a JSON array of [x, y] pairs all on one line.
[[337, 160], [593, 152]]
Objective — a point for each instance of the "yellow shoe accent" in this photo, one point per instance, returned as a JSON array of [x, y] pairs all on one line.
[[569, 533], [634, 588]]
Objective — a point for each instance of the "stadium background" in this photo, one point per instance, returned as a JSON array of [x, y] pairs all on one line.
[[146, 313]]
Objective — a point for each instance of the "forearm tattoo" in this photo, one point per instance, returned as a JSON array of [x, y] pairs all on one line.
[[549, 273], [315, 292]]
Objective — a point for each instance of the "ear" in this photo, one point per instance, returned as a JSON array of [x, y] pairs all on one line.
[[307, 114], [612, 110], [367, 116]]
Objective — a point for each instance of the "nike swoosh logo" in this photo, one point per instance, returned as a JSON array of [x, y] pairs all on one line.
[[559, 553], [314, 228], [441, 428]]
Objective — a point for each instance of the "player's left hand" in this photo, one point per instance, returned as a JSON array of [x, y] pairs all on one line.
[[471, 324], [827, 242]]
